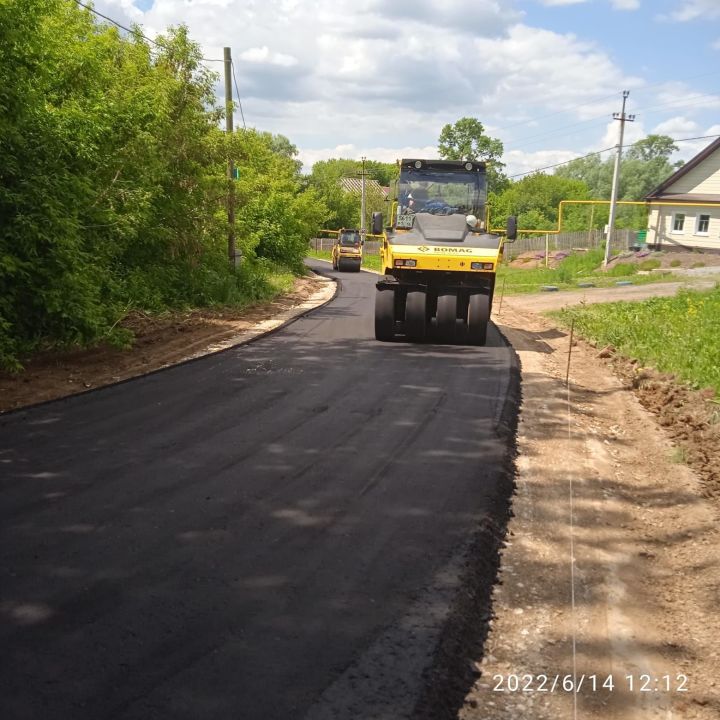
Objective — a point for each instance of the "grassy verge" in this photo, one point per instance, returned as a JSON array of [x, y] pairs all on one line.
[[253, 283], [370, 262], [581, 267], [678, 334]]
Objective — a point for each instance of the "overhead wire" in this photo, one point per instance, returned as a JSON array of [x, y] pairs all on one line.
[[237, 90], [557, 112], [607, 149], [691, 100], [131, 30], [135, 31], [564, 162], [636, 91]]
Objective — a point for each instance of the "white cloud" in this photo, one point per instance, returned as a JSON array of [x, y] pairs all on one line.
[[518, 162], [381, 77], [634, 131], [677, 127], [678, 96], [696, 9], [688, 150], [263, 55], [556, 3]]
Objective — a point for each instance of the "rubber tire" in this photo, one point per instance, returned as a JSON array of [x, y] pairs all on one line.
[[478, 318], [384, 314], [416, 315], [447, 316]]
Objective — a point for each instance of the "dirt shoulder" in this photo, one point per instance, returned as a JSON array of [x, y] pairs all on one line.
[[611, 572], [160, 341]]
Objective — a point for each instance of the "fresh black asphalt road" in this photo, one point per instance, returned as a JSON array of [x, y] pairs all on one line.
[[228, 538]]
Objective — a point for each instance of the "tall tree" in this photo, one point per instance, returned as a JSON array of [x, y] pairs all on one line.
[[645, 165], [466, 140], [535, 200], [652, 147], [113, 181], [344, 206]]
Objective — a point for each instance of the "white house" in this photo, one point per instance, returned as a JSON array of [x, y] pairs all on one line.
[[685, 209]]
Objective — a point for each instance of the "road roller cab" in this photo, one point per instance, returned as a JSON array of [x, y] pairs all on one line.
[[439, 258], [347, 251]]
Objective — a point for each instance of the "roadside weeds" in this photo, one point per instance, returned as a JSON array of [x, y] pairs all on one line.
[[159, 343]]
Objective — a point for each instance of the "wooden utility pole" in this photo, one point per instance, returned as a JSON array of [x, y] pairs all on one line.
[[362, 201], [230, 165], [623, 118]]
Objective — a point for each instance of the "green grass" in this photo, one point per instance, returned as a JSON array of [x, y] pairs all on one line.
[[370, 262], [679, 334]]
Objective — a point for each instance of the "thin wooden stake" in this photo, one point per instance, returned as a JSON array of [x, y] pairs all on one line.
[[502, 295], [572, 333]]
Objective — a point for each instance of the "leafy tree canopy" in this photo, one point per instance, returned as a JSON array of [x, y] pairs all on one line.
[[113, 181], [344, 207], [466, 140], [645, 165]]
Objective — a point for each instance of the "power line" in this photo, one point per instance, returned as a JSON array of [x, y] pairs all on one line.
[[699, 137], [599, 152], [131, 31], [557, 112], [237, 90], [564, 162], [541, 137], [535, 139], [638, 91], [681, 103]]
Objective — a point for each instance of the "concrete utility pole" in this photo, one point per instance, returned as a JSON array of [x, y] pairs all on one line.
[[362, 201], [230, 165], [623, 118]]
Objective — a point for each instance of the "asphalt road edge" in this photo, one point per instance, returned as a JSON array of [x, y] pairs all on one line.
[[294, 314], [455, 667]]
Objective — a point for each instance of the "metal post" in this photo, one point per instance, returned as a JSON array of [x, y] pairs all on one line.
[[590, 229], [230, 165], [616, 175], [547, 248]]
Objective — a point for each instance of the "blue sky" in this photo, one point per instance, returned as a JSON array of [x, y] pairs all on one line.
[[381, 77]]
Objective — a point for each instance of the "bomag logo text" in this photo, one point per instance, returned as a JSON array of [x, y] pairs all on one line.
[[452, 250]]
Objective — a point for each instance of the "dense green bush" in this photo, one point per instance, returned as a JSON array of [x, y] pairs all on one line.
[[113, 184]]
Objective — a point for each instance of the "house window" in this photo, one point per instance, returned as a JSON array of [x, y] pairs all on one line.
[[678, 222], [703, 225]]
